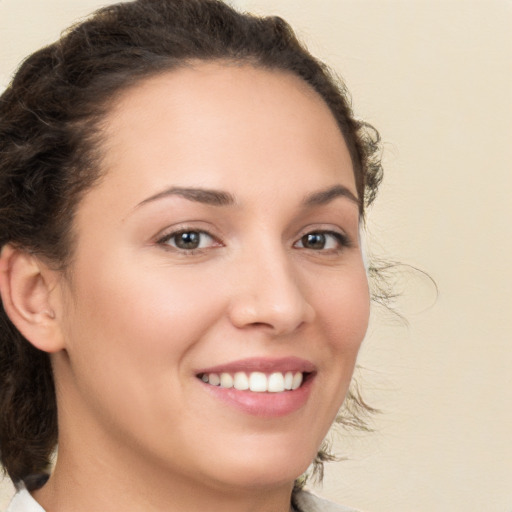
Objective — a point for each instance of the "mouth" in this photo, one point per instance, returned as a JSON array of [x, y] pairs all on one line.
[[261, 386], [257, 381]]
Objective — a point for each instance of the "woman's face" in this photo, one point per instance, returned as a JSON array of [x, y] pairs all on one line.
[[221, 244]]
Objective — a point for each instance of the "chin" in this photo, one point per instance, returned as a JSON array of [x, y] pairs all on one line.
[[265, 466]]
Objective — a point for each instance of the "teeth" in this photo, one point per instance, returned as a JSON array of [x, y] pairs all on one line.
[[213, 379], [297, 380], [241, 381], [288, 380], [276, 383], [226, 381], [258, 382]]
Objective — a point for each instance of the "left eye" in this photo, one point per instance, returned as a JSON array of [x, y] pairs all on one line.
[[188, 240], [321, 241]]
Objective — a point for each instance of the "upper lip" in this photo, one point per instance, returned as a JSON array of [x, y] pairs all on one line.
[[262, 364]]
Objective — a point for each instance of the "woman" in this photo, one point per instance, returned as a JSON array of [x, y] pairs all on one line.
[[183, 287]]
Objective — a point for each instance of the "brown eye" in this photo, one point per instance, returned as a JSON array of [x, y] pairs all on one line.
[[313, 241], [188, 240], [322, 241]]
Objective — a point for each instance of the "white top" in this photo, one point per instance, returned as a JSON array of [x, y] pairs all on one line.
[[23, 502], [309, 502]]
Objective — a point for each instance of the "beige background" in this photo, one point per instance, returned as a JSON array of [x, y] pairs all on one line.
[[434, 76]]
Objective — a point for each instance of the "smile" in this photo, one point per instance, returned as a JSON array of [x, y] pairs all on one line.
[[264, 387], [258, 382]]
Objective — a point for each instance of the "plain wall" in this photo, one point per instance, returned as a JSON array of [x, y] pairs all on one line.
[[435, 78]]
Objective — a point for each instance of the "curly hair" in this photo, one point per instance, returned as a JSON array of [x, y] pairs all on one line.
[[49, 156]]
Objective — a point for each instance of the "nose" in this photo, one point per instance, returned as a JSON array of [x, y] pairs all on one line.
[[268, 294]]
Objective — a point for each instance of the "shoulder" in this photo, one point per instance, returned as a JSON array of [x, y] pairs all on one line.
[[309, 502], [23, 502]]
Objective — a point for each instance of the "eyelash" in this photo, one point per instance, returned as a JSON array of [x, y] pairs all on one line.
[[341, 240], [164, 240]]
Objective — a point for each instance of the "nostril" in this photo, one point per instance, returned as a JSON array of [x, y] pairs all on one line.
[[260, 312], [260, 324]]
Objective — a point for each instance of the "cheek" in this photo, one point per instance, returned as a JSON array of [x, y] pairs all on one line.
[[344, 309], [132, 337], [144, 315], [342, 306]]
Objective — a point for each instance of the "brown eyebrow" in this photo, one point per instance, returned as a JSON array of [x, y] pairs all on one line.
[[328, 195], [199, 195], [222, 198]]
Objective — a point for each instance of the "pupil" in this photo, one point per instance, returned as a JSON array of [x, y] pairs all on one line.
[[188, 240], [314, 241]]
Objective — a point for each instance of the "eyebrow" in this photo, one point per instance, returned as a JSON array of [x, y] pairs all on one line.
[[199, 195], [222, 198], [328, 195]]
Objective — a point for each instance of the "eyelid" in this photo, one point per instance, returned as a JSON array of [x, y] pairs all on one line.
[[163, 238], [341, 237]]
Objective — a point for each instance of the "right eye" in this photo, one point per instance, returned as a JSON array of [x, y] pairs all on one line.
[[188, 240]]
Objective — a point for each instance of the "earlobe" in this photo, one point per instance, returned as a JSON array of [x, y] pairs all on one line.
[[26, 286]]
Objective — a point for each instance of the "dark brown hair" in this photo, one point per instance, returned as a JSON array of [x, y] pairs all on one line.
[[50, 155]]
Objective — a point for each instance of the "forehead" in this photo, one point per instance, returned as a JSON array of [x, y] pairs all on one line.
[[200, 120]]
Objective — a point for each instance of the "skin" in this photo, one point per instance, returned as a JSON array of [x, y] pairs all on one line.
[[135, 317]]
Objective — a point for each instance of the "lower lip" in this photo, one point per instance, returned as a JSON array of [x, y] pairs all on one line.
[[268, 405]]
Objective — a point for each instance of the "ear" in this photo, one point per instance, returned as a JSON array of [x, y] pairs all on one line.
[[29, 297]]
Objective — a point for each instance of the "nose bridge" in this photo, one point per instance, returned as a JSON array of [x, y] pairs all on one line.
[[268, 290]]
